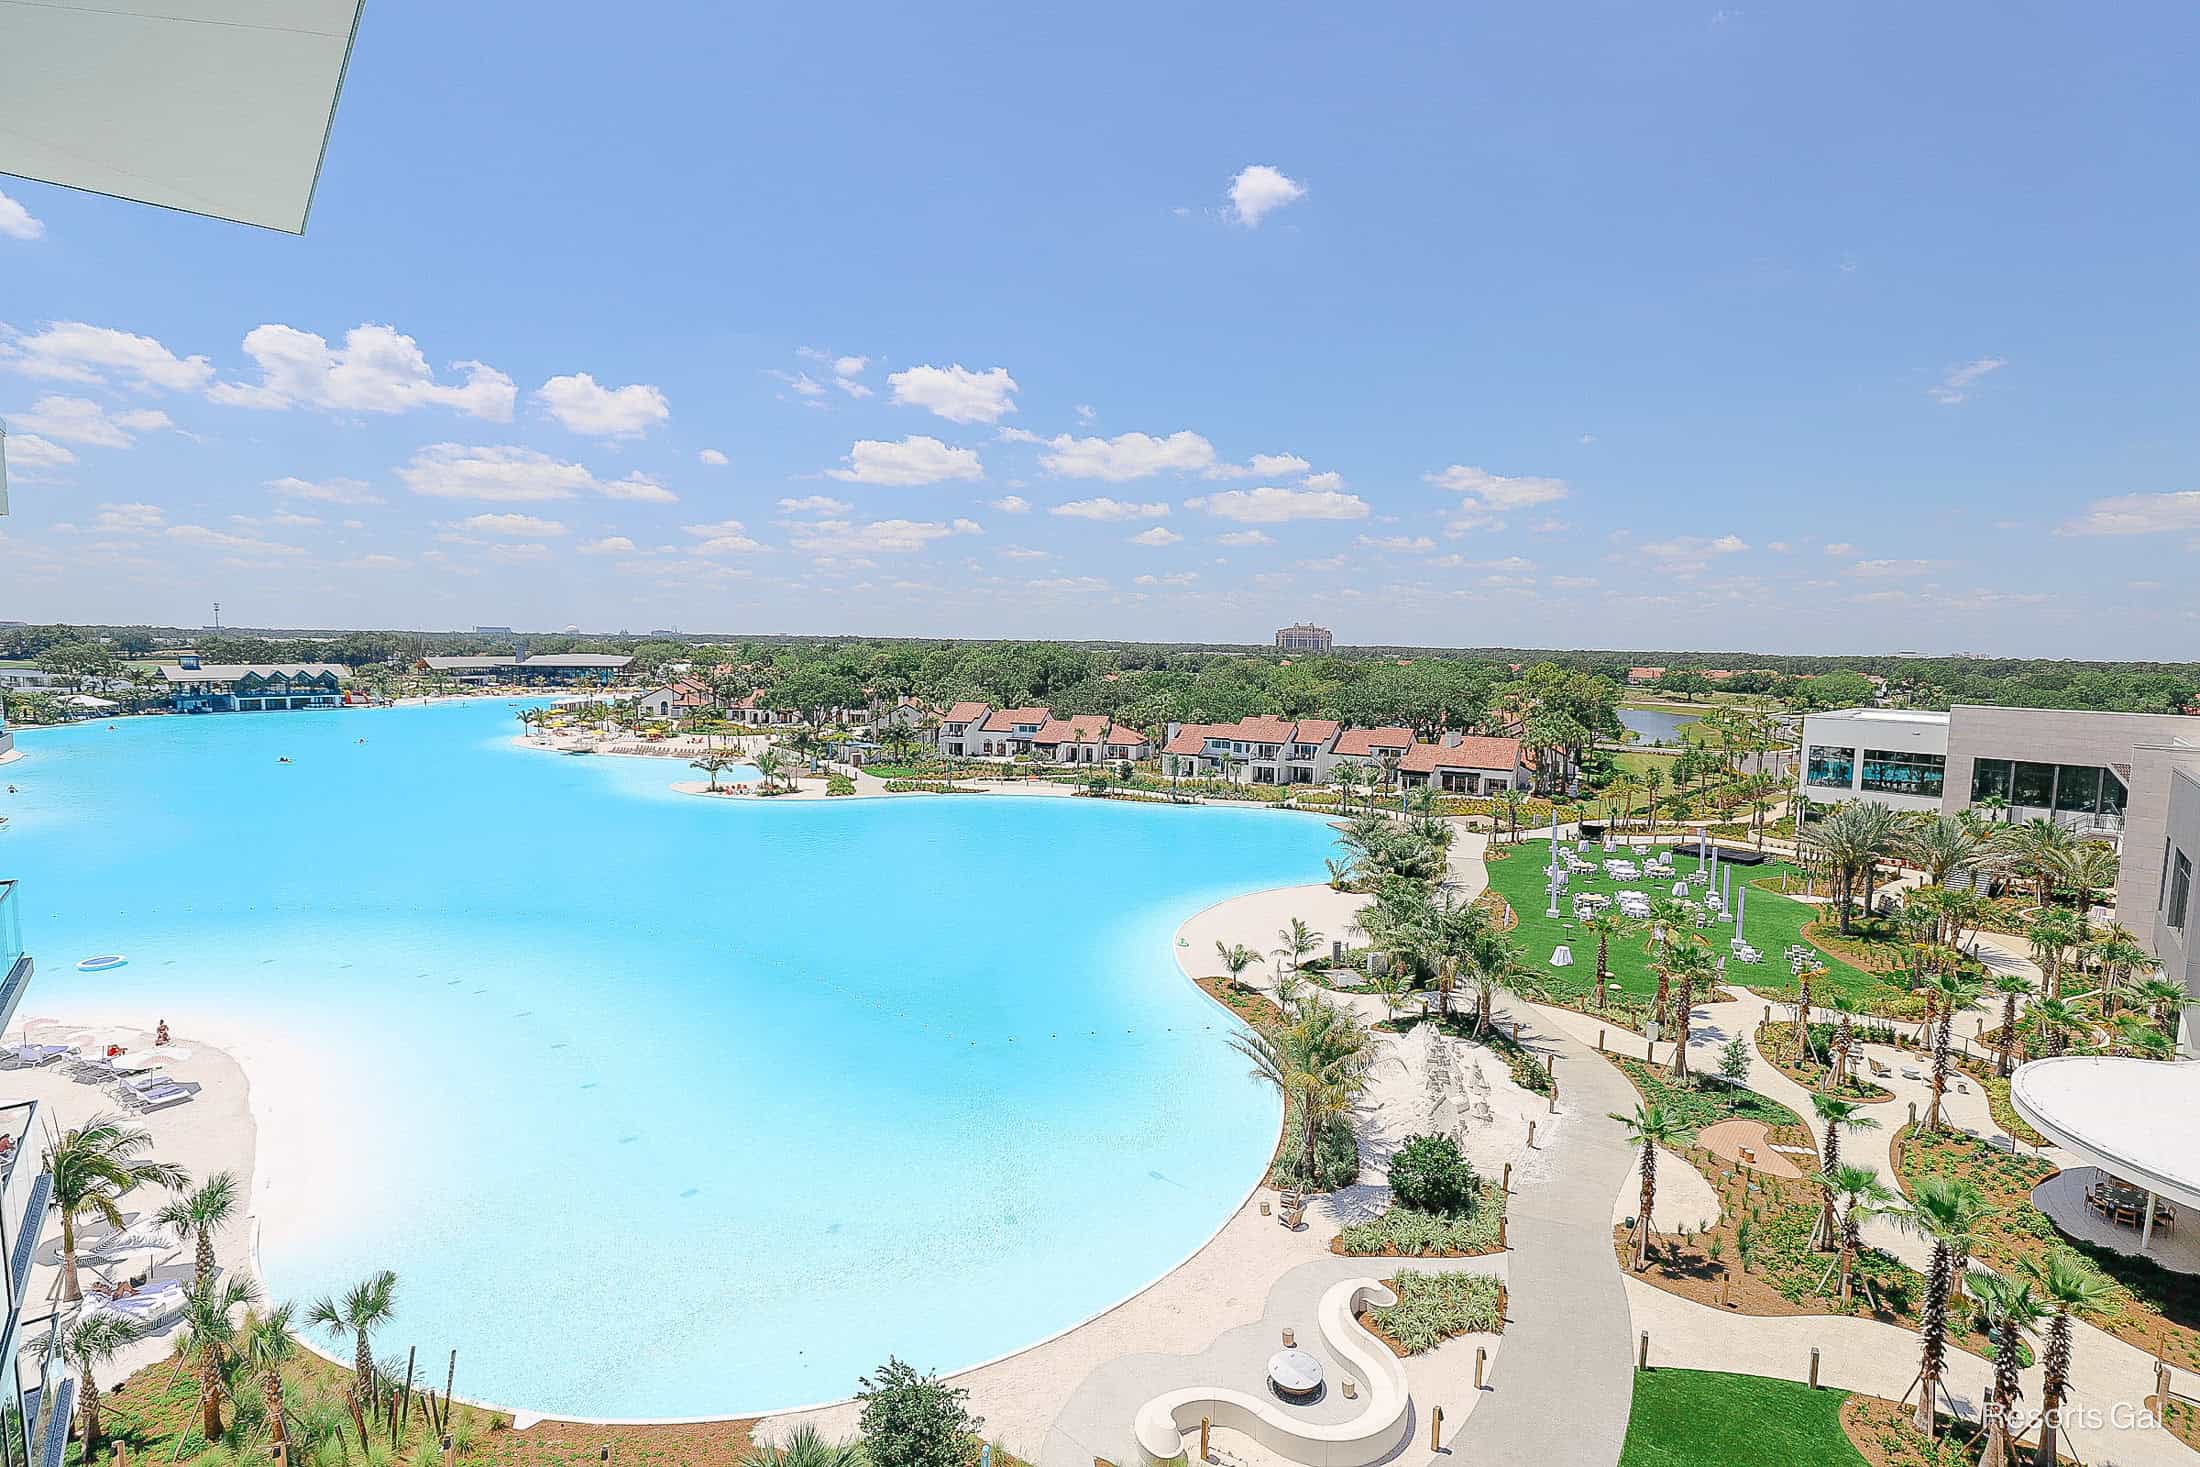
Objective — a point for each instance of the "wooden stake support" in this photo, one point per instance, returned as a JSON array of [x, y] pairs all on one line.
[[1642, 1352]]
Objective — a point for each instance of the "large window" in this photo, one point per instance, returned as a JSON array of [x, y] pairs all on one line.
[[2180, 892], [1831, 769], [2082, 789], [1989, 780], [1892, 772], [2035, 785]]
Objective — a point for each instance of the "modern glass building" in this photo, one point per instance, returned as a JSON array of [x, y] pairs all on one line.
[[34, 1417]]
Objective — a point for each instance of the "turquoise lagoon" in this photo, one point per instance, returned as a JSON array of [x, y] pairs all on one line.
[[662, 1106]]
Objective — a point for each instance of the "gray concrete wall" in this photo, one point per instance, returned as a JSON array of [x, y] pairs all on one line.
[[2176, 950], [2061, 736]]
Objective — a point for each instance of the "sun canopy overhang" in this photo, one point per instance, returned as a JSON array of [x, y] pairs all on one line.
[[217, 107], [2137, 1119]]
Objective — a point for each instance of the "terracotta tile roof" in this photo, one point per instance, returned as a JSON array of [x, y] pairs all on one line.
[[1191, 738], [1006, 720], [965, 712], [1468, 753], [1316, 731], [1078, 728], [1362, 742]]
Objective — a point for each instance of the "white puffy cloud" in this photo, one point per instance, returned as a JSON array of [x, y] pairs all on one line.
[[1157, 536], [1264, 466], [1258, 191], [80, 420], [839, 539], [460, 471], [374, 562], [1496, 492], [956, 393], [1123, 457], [1880, 570], [1328, 479], [70, 351], [2134, 514], [1181, 580], [1012, 504], [1686, 555], [1108, 509], [1273, 506], [325, 491], [1246, 537], [845, 372], [609, 545], [1024, 552], [29, 451], [815, 504], [511, 526], [1404, 544], [378, 369], [915, 460], [1955, 384], [16, 221], [212, 539], [714, 458], [127, 519], [725, 537], [583, 406], [1839, 548]]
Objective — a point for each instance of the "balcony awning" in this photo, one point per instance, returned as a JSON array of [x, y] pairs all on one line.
[[218, 107]]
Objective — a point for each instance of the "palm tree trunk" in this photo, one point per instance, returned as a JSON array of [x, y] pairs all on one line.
[[271, 1393], [1649, 1201], [362, 1364], [1932, 1329], [1682, 1020], [72, 1287], [88, 1390], [2008, 1060], [1310, 1138], [204, 1264], [2054, 1385], [210, 1403]]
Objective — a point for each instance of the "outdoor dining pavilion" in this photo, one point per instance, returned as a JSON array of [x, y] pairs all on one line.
[[2134, 1125]]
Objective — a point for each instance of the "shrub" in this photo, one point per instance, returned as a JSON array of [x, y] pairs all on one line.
[[1434, 1307], [1336, 1155], [1404, 1233], [912, 1420], [839, 784], [1427, 1174]]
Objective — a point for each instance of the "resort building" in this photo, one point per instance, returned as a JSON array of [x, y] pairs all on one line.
[[1263, 749], [961, 729], [676, 700], [35, 1427], [563, 669], [1464, 765], [1377, 751], [2172, 894], [252, 687], [2105, 776], [1304, 637], [1008, 732], [1088, 738]]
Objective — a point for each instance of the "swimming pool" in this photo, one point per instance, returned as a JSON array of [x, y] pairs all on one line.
[[663, 1106]]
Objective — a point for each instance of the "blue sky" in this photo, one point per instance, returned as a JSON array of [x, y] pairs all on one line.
[[1826, 329]]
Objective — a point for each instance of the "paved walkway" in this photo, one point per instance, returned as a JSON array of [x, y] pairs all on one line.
[[1096, 1420], [1560, 1394]]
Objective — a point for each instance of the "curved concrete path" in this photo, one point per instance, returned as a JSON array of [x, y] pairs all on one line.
[[1563, 1387]]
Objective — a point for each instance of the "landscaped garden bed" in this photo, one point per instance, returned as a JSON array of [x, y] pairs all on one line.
[[1809, 1068], [1435, 1307], [2151, 1307], [1403, 1232]]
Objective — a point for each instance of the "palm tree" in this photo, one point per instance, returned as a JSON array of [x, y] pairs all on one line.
[[1236, 958], [197, 1215], [89, 1342], [2071, 1285], [1296, 942], [1861, 1196], [2116, 952], [93, 1167], [2089, 867], [1834, 1113], [769, 766], [2012, 1311], [1319, 1057], [2034, 849], [208, 1344], [1943, 846], [365, 1308], [1511, 802], [2056, 1019], [2164, 998], [2052, 934], [1671, 925], [1844, 1040], [1951, 991], [1690, 963], [2011, 987], [806, 1447], [713, 764], [1946, 1213], [268, 1347], [1653, 779], [1347, 777], [1607, 924], [1624, 784], [1850, 843], [1650, 1127]]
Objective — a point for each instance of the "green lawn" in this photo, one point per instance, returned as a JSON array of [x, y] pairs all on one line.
[[1772, 922], [1695, 1418]]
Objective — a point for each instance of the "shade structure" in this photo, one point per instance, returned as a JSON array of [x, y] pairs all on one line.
[[217, 107], [2130, 1117]]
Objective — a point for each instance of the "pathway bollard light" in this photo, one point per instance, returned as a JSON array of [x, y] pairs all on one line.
[[1506, 1186], [1814, 1367], [1642, 1352], [1204, 1423], [1481, 1358], [1531, 1135], [1436, 1430], [1501, 1232]]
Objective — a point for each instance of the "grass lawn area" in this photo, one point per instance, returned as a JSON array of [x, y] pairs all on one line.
[[1772, 922], [1689, 1418]]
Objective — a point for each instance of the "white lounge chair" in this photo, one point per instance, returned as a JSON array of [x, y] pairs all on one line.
[[163, 1096]]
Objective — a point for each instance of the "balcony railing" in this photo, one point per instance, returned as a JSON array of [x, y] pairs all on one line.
[[15, 963], [25, 1191]]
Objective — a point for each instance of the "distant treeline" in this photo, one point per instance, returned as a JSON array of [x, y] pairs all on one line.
[[1151, 683]]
